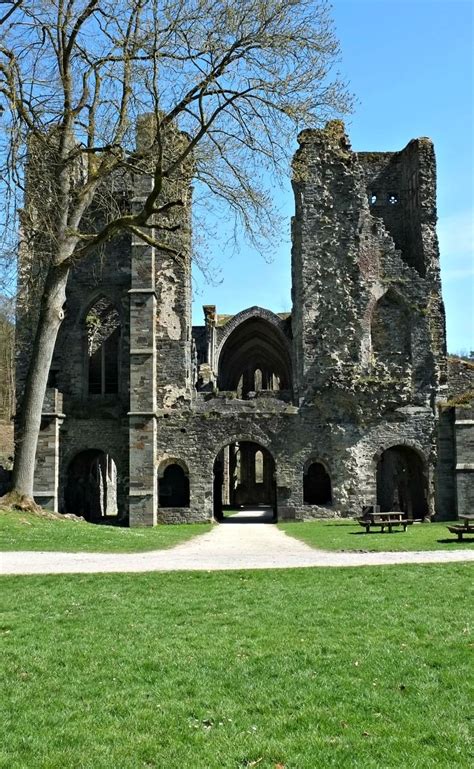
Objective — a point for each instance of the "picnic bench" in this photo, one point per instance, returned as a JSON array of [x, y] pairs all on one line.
[[386, 520], [463, 528]]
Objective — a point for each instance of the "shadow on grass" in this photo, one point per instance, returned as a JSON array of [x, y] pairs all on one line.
[[110, 521], [456, 541], [337, 525], [366, 533]]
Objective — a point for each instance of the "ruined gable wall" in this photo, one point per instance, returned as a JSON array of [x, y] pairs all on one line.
[[326, 291], [344, 260], [404, 187], [349, 258]]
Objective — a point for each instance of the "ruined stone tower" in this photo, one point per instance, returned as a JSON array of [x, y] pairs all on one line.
[[315, 413]]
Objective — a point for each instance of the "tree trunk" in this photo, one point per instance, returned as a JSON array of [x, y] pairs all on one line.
[[50, 318]]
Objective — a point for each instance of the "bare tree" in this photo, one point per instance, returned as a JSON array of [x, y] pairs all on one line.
[[235, 77]]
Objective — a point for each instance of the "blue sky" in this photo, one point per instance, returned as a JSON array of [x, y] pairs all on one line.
[[410, 65]]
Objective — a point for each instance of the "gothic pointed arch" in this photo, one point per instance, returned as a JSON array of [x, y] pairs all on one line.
[[173, 483], [317, 487], [402, 481], [103, 331], [254, 353]]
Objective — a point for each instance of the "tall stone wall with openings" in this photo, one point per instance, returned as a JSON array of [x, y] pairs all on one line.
[[109, 371], [350, 388], [368, 318]]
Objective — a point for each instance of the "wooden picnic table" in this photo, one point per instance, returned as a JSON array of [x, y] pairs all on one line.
[[387, 519], [463, 528]]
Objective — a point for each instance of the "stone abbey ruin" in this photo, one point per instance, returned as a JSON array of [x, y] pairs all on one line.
[[349, 400]]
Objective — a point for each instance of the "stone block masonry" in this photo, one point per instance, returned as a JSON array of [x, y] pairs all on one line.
[[351, 390]]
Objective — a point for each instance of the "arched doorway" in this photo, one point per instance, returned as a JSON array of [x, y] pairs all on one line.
[[244, 480], [173, 484], [91, 489], [402, 482], [317, 485]]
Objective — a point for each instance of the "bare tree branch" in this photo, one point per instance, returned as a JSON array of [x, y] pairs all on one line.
[[225, 83]]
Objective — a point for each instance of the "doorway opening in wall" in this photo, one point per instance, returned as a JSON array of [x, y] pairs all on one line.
[[317, 485], [244, 484], [402, 483], [173, 484], [91, 488]]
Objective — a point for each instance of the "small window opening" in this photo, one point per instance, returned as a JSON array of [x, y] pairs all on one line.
[[372, 198], [393, 199]]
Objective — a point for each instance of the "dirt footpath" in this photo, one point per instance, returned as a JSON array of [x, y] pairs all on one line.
[[228, 546]]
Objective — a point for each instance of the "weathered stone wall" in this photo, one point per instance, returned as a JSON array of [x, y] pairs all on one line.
[[293, 436], [464, 439], [446, 466], [455, 440], [345, 263], [365, 345], [460, 378]]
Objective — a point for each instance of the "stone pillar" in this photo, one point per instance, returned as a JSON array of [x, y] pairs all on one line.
[[210, 321], [233, 482], [46, 482], [226, 469], [464, 434], [268, 476], [142, 414], [248, 380]]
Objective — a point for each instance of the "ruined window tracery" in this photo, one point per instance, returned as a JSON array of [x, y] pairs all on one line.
[[103, 332]]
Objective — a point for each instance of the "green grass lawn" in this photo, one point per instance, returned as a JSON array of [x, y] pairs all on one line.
[[367, 667], [27, 531], [349, 535]]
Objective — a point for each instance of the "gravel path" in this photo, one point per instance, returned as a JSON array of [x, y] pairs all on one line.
[[233, 545]]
